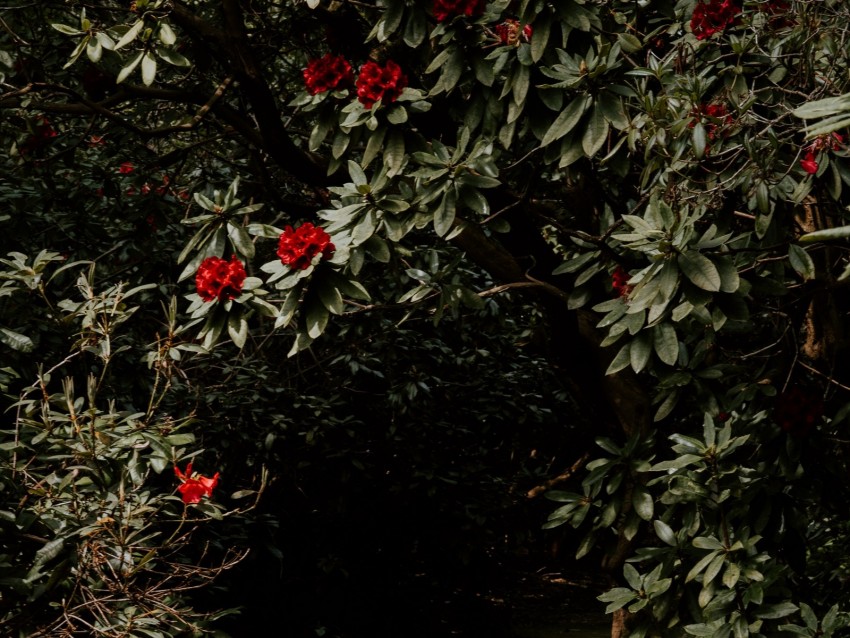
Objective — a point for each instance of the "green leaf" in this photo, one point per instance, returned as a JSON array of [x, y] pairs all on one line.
[[237, 328], [778, 610], [357, 174], [567, 120], [621, 361], [596, 132], [172, 57], [666, 343], [664, 532], [64, 28], [394, 153], [166, 34], [317, 318], [16, 340], [148, 68], [642, 501], [801, 262], [127, 70], [132, 34], [699, 270], [640, 351], [701, 565], [331, 298], [444, 216], [827, 234], [542, 27]]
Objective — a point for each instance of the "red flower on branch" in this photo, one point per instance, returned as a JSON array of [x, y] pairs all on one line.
[[826, 142], [809, 164], [445, 9], [712, 117], [328, 73], [126, 168], [194, 488], [619, 282], [220, 279], [380, 83], [713, 16], [509, 33], [297, 248]]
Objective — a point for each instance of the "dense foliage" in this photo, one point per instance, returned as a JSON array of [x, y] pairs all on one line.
[[272, 266]]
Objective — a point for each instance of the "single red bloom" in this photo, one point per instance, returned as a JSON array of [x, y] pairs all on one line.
[[713, 16], [380, 83], [444, 9], [509, 33], [619, 282], [193, 488], [220, 279], [809, 164], [126, 168], [328, 73], [42, 134], [96, 140], [297, 248]]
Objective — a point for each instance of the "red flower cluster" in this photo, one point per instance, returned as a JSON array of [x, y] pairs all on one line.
[[445, 9], [126, 168], [220, 279], [833, 142], [509, 33], [328, 73], [619, 282], [797, 411], [42, 134], [380, 83], [193, 488], [713, 16], [297, 248]]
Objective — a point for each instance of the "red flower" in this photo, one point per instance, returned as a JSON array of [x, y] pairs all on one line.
[[220, 279], [809, 164], [380, 83], [712, 117], [328, 73], [193, 488], [126, 168], [713, 16], [42, 134], [96, 140], [797, 411], [619, 282], [444, 9], [509, 32], [297, 248]]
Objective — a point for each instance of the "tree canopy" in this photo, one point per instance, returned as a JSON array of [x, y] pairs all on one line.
[[400, 246]]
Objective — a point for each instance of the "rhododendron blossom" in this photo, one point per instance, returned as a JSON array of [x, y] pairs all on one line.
[[713, 16], [298, 247], [619, 282], [809, 164], [445, 9], [328, 73], [126, 168], [380, 83], [709, 115], [193, 488], [220, 279], [826, 142], [509, 33]]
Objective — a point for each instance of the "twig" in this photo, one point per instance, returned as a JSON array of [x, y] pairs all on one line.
[[563, 476]]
